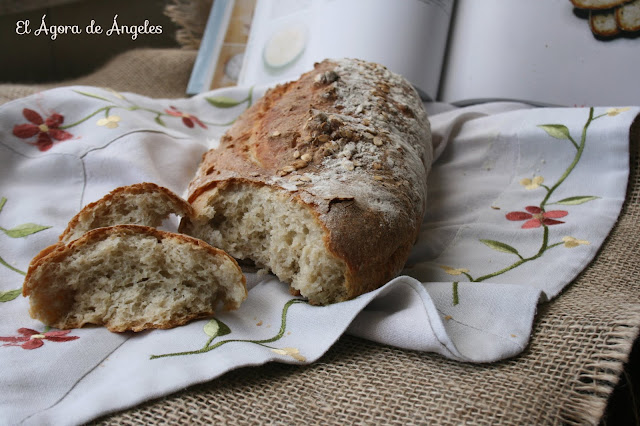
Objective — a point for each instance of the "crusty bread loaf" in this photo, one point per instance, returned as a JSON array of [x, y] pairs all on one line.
[[628, 16], [323, 181], [141, 204], [131, 277], [603, 23]]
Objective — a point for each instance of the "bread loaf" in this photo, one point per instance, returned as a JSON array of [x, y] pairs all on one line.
[[323, 181], [141, 204], [131, 277]]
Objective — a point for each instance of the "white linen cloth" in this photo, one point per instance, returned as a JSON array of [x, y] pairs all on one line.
[[469, 291]]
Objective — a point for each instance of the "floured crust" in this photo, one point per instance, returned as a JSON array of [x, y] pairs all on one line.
[[350, 141], [52, 305], [108, 210]]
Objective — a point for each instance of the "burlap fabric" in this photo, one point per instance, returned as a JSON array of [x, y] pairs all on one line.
[[158, 73], [190, 16], [580, 341]]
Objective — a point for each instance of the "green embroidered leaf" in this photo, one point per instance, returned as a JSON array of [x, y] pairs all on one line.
[[223, 101], [2, 203], [91, 95], [558, 131], [7, 296], [24, 230], [215, 328], [574, 201], [160, 121], [497, 245]]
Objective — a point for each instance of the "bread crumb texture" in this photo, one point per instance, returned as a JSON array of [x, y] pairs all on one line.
[[131, 277]]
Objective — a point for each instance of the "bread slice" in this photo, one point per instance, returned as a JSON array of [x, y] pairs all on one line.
[[131, 277], [323, 181], [628, 16], [597, 4], [603, 23], [141, 204]]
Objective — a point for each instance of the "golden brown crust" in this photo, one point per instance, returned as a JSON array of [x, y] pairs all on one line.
[[179, 206], [351, 142], [56, 253]]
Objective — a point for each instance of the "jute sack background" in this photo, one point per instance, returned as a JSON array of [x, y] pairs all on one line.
[[580, 341]]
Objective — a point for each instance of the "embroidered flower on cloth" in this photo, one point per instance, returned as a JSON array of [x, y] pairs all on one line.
[[571, 242], [535, 217], [187, 119], [111, 122], [292, 352], [47, 130], [32, 339], [611, 112], [532, 183], [453, 271]]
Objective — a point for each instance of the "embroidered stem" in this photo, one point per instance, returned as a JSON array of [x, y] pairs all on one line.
[[3, 262], [456, 296], [87, 117], [208, 347], [576, 158]]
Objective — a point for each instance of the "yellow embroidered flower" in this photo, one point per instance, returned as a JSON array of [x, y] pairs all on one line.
[[292, 352], [111, 122], [532, 183], [571, 242], [453, 271], [615, 111]]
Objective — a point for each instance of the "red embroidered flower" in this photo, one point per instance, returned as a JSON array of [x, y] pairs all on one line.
[[45, 129], [32, 339], [536, 217], [187, 119]]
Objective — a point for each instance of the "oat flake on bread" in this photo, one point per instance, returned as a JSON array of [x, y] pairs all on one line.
[[323, 181]]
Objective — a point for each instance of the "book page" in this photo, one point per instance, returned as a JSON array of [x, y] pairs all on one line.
[[289, 36], [538, 51]]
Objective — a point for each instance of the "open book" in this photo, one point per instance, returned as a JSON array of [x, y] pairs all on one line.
[[460, 52]]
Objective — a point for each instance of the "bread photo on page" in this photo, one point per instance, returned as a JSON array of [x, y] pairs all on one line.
[[323, 181]]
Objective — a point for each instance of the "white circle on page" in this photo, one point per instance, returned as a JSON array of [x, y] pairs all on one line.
[[285, 46]]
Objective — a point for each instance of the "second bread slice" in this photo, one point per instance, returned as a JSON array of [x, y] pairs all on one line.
[[140, 204]]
